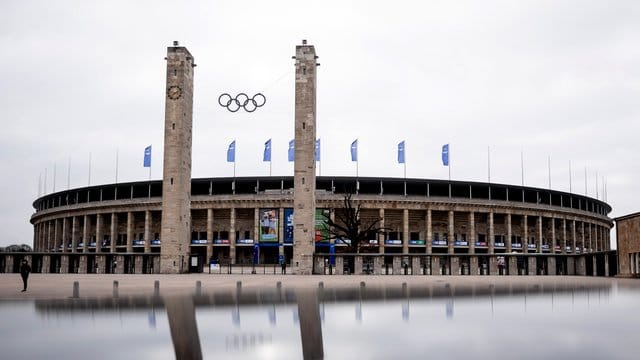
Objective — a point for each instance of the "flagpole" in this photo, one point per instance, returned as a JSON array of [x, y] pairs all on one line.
[[39, 184], [69, 174], [585, 181], [89, 177], [570, 181], [449, 160], [117, 165], [597, 185], [54, 177], [44, 190], [489, 164], [522, 166], [549, 166]]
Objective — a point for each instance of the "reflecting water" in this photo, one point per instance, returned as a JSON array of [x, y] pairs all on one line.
[[441, 321]]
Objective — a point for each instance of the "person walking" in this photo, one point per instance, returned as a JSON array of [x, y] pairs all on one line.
[[25, 269]]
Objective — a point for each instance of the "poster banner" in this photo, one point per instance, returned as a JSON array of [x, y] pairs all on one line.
[[269, 225], [288, 226], [322, 229]]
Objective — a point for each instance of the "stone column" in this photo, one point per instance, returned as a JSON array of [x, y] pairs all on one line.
[[513, 265], [509, 233], [304, 178], [281, 231], [176, 170], [472, 235], [584, 238], [581, 265], [137, 265], [357, 265], [606, 266], [405, 231], [397, 265], [429, 240], [564, 236], [210, 234], [100, 261], [455, 265], [130, 234], [594, 266], [571, 265], [74, 234], [85, 234], [381, 235], [46, 264], [491, 240], [574, 237], [47, 246], [435, 265], [539, 237], [532, 265], [56, 235], [473, 266], [553, 236], [147, 231], [551, 265], [65, 233], [113, 232], [64, 264], [82, 267], [232, 235], [256, 225], [525, 235], [450, 238], [378, 264], [99, 232]]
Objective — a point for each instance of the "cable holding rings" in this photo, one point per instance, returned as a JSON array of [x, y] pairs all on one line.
[[242, 101]]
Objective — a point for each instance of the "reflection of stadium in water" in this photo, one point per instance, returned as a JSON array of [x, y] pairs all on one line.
[[248, 322]]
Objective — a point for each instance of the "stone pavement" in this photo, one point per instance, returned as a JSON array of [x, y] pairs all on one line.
[[60, 286]]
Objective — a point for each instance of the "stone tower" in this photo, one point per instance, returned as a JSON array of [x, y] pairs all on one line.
[[176, 177], [304, 197]]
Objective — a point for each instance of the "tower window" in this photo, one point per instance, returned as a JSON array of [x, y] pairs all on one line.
[[171, 181], [173, 126], [304, 71], [175, 72], [304, 125]]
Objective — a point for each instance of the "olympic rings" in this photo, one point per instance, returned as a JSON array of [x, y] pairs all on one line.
[[242, 101]]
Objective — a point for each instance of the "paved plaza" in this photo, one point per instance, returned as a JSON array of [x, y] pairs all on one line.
[[60, 286]]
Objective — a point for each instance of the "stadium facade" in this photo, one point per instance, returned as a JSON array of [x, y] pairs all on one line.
[[180, 224]]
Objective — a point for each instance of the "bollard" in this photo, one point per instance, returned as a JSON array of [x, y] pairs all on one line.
[[404, 288], [362, 284], [156, 288], [115, 288], [321, 285], [76, 290], [239, 285], [279, 285], [198, 288]]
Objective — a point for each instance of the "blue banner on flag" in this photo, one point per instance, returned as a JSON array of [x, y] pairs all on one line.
[[267, 151], [292, 150], [445, 154], [317, 149], [147, 156], [231, 152], [401, 152], [354, 150]]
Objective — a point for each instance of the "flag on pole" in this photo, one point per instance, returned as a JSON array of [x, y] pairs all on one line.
[[317, 149], [267, 151], [147, 156], [445, 154], [401, 152], [231, 152], [292, 150], [354, 150]]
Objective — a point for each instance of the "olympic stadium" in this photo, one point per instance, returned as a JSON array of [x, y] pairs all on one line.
[[432, 226], [266, 224]]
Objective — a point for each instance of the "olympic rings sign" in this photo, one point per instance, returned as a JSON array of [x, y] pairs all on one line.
[[242, 101]]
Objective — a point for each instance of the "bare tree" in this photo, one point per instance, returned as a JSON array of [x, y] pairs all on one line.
[[348, 225]]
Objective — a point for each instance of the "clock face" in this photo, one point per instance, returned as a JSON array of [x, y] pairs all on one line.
[[174, 92]]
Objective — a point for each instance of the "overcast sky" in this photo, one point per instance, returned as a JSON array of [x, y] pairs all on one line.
[[546, 79]]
